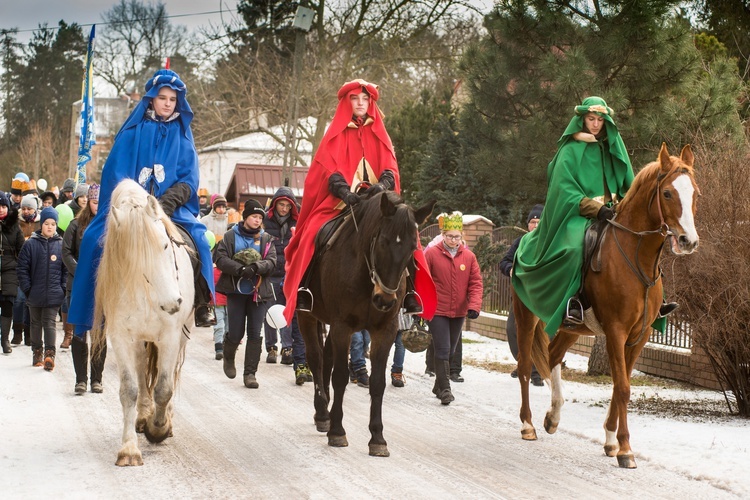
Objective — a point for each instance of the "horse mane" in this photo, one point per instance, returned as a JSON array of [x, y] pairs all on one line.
[[369, 218], [648, 176], [132, 248]]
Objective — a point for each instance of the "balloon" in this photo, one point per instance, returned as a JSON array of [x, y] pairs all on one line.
[[42, 185], [275, 316], [22, 176], [211, 237], [64, 215]]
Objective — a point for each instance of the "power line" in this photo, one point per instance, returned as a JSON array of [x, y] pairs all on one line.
[[118, 22]]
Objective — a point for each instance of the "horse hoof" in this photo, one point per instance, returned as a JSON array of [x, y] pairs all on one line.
[[550, 426], [528, 434], [140, 425], [338, 441], [157, 434], [379, 450], [323, 425], [126, 460], [626, 461], [611, 450]]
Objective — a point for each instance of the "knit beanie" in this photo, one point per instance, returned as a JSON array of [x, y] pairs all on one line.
[[48, 213], [29, 201], [218, 200], [535, 213], [81, 190], [252, 207], [68, 185], [4, 201]]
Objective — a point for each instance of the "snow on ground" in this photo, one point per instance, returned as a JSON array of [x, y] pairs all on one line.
[[232, 442]]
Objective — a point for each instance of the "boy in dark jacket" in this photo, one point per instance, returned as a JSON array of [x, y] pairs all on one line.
[[41, 276]]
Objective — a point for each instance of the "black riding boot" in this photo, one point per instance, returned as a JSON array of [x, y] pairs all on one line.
[[442, 387], [97, 365], [230, 349], [5, 326], [252, 358], [80, 351], [17, 334], [204, 311]]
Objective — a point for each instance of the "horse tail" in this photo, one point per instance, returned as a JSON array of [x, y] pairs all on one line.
[[540, 351], [152, 367]]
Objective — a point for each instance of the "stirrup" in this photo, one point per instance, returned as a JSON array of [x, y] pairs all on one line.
[[304, 299], [414, 308], [667, 308], [574, 312]]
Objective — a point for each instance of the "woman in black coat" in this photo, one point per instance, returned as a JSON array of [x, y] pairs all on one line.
[[11, 241]]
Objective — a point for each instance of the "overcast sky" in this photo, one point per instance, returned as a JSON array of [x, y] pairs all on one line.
[[28, 14]]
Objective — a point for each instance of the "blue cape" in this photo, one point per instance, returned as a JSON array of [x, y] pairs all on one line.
[[157, 154]]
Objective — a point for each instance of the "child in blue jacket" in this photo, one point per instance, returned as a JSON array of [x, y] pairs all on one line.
[[41, 276]]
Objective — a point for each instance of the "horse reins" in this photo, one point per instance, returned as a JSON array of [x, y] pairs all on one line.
[[374, 276], [663, 231]]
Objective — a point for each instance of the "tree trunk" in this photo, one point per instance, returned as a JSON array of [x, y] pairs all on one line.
[[599, 360]]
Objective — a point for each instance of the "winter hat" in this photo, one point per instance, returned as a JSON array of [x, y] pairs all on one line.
[[4, 201], [68, 186], [252, 207], [535, 213], [218, 200], [49, 194], [93, 193], [81, 190], [48, 213], [29, 201]]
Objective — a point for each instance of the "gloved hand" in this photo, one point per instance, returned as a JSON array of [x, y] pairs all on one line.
[[605, 213], [472, 314], [387, 180], [350, 198], [249, 272]]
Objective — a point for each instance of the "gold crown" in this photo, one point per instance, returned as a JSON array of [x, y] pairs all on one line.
[[452, 222]]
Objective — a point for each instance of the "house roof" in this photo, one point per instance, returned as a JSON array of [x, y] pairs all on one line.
[[265, 141], [261, 182]]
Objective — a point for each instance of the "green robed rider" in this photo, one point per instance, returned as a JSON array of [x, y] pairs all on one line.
[[590, 172]]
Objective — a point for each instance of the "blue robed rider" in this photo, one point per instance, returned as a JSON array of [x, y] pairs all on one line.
[[155, 148]]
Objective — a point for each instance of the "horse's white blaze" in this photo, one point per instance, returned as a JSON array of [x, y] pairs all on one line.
[[684, 187], [398, 239]]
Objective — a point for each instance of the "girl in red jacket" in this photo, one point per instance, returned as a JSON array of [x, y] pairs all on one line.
[[458, 281]]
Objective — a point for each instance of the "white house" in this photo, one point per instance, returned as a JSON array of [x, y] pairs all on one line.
[[217, 162]]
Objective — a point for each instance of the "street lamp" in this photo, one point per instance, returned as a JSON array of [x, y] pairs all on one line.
[[303, 19]]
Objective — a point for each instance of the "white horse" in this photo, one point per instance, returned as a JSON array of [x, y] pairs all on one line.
[[144, 307]]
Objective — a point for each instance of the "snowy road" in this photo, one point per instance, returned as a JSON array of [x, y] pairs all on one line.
[[235, 442]]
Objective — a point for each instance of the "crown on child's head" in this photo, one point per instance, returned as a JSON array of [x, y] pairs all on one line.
[[452, 222]]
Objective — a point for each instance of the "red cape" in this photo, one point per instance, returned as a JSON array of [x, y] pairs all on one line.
[[342, 149]]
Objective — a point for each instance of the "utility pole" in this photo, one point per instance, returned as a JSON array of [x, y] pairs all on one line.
[[302, 22]]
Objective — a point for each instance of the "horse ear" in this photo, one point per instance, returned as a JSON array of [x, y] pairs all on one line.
[[114, 212], [664, 159], [421, 214], [686, 155], [153, 208], [387, 208]]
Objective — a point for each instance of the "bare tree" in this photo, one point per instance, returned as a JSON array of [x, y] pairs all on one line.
[[136, 38], [401, 45]]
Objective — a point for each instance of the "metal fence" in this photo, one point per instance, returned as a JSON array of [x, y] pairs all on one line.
[[497, 298]]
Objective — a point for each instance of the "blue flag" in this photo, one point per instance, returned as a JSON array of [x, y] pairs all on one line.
[[88, 134]]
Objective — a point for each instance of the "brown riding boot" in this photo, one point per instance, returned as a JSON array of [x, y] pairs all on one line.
[[36, 358], [49, 359], [68, 331]]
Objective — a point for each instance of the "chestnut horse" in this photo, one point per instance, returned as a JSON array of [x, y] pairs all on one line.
[[625, 294], [358, 283]]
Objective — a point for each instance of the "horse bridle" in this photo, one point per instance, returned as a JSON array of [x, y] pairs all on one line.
[[663, 231], [374, 276]]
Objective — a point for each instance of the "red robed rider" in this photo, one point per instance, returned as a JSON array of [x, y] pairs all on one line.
[[355, 149]]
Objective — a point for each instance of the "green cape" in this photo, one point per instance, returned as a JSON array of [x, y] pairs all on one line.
[[547, 269]]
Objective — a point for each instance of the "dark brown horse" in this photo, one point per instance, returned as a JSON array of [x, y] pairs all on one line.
[[625, 294], [358, 284]]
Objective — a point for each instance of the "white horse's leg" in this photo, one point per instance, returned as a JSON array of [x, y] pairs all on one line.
[[129, 454], [552, 419], [159, 427], [145, 400], [611, 444]]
